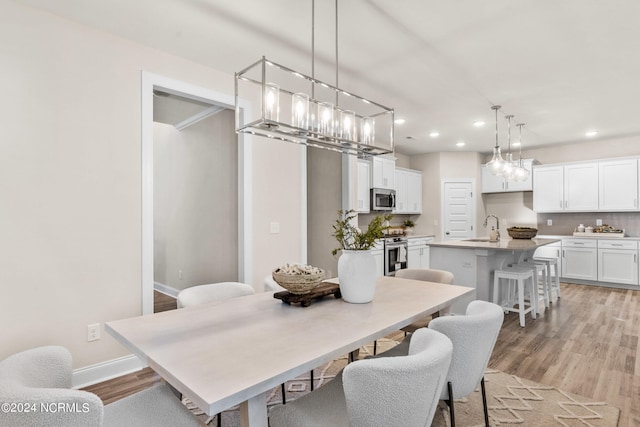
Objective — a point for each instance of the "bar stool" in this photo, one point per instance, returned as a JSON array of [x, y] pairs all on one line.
[[516, 280], [539, 267], [554, 279]]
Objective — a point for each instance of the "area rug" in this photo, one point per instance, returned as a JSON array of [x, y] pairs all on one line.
[[511, 400]]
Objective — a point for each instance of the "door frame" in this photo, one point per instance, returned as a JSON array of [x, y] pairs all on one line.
[[443, 222], [149, 82]]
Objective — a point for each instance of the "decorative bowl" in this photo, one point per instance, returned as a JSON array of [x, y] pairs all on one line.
[[301, 282], [522, 232]]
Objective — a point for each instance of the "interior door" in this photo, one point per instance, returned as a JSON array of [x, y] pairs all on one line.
[[458, 210]]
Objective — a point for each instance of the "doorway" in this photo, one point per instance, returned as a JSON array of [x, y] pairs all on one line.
[[204, 104], [458, 209]]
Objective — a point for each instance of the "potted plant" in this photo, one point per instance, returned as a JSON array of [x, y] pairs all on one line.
[[356, 265], [408, 226]]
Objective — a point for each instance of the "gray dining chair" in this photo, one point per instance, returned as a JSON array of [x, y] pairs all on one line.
[[42, 377], [392, 391], [473, 335]]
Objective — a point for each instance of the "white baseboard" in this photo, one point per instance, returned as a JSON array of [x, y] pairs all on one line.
[[93, 374], [167, 290]]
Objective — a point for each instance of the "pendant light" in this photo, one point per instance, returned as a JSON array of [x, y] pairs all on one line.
[[521, 174], [509, 165], [497, 163]]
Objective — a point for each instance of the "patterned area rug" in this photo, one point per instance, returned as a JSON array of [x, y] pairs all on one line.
[[511, 400]]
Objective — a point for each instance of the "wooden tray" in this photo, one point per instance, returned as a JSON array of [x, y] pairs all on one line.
[[320, 291]]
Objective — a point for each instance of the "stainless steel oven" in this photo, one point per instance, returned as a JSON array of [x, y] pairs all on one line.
[[395, 255]]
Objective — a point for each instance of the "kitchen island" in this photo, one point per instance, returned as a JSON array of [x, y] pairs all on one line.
[[473, 261]]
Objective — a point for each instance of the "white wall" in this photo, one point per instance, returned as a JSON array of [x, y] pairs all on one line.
[[196, 202], [71, 181]]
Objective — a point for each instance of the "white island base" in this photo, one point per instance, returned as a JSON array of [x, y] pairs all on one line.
[[473, 262]]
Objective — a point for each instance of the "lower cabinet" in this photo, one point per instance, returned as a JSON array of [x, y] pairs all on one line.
[[418, 253], [618, 262], [580, 259], [553, 250], [378, 255]]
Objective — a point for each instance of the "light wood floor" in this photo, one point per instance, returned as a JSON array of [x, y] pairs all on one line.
[[587, 344]]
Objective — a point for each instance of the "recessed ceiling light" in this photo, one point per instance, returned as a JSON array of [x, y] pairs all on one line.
[[478, 123], [434, 134], [399, 121], [460, 144], [591, 133], [516, 144]]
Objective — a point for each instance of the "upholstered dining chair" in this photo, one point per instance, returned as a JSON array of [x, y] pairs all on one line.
[[401, 391], [41, 378], [473, 335]]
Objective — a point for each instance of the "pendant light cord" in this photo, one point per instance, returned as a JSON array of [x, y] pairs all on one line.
[[313, 48], [337, 85], [496, 108]]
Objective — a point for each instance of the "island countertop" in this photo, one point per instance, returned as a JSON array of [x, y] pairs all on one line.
[[501, 245]]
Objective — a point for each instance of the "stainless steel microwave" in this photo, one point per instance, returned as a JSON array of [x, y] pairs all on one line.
[[383, 199]]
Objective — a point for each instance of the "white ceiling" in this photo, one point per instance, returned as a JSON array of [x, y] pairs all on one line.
[[560, 66]]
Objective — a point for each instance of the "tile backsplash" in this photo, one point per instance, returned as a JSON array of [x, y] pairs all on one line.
[[566, 223]]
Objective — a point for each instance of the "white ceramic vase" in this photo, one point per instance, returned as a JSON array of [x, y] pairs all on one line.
[[357, 276]]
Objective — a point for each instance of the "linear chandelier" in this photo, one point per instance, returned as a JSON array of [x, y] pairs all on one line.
[[297, 108]]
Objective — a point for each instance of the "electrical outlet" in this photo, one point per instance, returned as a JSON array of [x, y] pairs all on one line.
[[549, 222], [274, 227], [598, 222], [180, 274], [93, 332]]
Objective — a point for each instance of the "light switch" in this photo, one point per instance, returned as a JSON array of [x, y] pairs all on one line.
[[598, 222], [274, 228]]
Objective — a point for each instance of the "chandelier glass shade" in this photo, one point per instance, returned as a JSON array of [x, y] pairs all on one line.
[[497, 164]]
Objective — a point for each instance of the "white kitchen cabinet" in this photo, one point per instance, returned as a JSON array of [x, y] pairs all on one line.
[[383, 172], [580, 184], [408, 191], [363, 193], [378, 254], [418, 252], [548, 188], [414, 187], [618, 261], [580, 259], [496, 184], [618, 185], [401, 192]]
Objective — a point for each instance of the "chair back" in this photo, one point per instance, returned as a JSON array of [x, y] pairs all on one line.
[[474, 336], [40, 379], [203, 294], [401, 391], [426, 274]]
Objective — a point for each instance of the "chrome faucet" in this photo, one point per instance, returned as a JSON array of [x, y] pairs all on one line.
[[497, 224]]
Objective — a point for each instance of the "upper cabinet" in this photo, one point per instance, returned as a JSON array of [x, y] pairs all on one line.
[[408, 191], [383, 172], [496, 184], [607, 185], [363, 194], [618, 185]]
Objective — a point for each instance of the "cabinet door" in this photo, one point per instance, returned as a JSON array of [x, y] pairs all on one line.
[[580, 263], [580, 187], [548, 189], [401, 192], [378, 255], [491, 183], [414, 192], [425, 259], [383, 173], [618, 189], [553, 250], [413, 257], [363, 202], [618, 266]]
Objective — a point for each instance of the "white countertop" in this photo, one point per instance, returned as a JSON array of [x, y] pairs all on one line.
[[587, 236], [505, 244]]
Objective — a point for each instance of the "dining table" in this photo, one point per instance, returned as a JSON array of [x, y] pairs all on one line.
[[233, 352]]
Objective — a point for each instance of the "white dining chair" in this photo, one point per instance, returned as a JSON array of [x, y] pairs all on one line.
[[393, 391], [42, 377], [473, 335]]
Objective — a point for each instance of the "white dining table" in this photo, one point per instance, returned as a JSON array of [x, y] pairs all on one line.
[[233, 352]]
